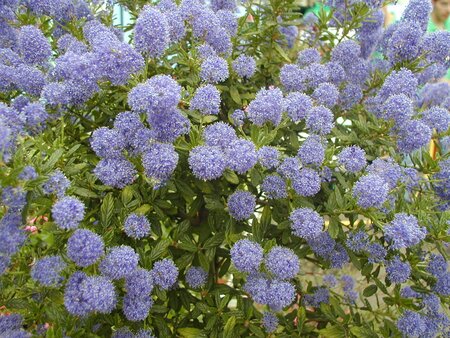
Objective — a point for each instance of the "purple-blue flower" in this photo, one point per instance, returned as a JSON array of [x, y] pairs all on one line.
[[320, 295], [411, 324], [442, 285], [404, 231], [326, 94], [35, 117], [136, 226], [297, 105], [85, 247], [68, 212], [139, 283], [207, 163], [306, 223], [33, 45], [418, 11], [293, 78], [241, 155], [282, 262], [244, 66], [164, 273], [387, 169], [246, 255], [268, 157], [398, 108], [320, 120], [107, 143], [237, 117], [47, 270], [345, 53], [280, 294], [266, 107], [437, 118], [398, 271], [136, 308], [306, 182], [357, 241], [336, 73], [308, 56], [370, 191], [330, 281], [437, 265], [196, 277], [353, 158], [115, 172], [413, 135], [350, 95], [15, 198], [274, 187], [151, 32], [56, 183], [402, 81], [219, 134], [241, 205], [206, 100], [312, 151], [270, 322], [120, 262], [214, 70], [159, 161], [159, 93]]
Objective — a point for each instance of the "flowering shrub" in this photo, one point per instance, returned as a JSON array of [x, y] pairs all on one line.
[[222, 175]]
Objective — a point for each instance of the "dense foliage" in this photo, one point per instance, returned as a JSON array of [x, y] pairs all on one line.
[[222, 174]]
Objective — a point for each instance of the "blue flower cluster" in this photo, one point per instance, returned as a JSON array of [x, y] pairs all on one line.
[[398, 271], [137, 226], [68, 212], [306, 223], [320, 295], [196, 277], [241, 205], [271, 288], [47, 270], [404, 231], [119, 262], [85, 247], [87, 294], [165, 273]]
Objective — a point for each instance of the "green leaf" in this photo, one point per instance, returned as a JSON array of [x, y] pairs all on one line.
[[370, 290], [213, 203], [282, 52], [301, 315], [190, 332], [143, 209], [107, 210], [231, 176], [127, 195], [229, 327], [256, 331], [204, 263], [159, 249], [333, 228], [335, 331], [214, 241], [339, 199], [48, 238], [186, 244], [85, 192], [52, 160], [266, 216], [362, 332], [235, 95]]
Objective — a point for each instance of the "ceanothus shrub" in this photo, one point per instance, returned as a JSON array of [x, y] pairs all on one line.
[[222, 169]]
